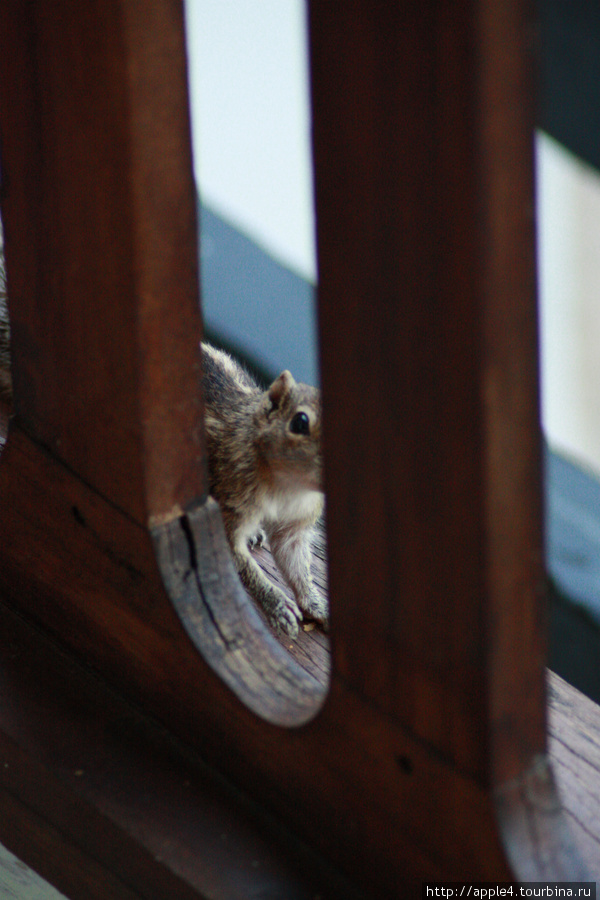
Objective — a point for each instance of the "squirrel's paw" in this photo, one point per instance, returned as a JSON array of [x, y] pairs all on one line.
[[316, 608], [284, 617], [257, 540]]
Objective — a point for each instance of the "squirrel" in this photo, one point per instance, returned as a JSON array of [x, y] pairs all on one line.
[[265, 471]]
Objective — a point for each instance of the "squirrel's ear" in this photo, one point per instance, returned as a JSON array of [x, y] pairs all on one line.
[[280, 388]]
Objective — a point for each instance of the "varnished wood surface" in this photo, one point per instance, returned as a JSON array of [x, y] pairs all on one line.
[[573, 726], [573, 723], [108, 608], [107, 806], [99, 204], [573, 744], [422, 119], [574, 748]]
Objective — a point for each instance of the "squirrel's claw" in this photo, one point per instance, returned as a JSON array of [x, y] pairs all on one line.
[[257, 540]]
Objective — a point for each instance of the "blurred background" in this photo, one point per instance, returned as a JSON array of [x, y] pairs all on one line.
[[248, 70], [569, 281]]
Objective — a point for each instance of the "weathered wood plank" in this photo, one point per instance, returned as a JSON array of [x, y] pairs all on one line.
[[312, 649], [540, 844], [232, 635], [18, 881], [574, 749]]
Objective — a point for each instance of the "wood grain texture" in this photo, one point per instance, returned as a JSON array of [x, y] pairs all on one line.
[[99, 194], [344, 782], [18, 881], [574, 748], [222, 621], [423, 168], [106, 805]]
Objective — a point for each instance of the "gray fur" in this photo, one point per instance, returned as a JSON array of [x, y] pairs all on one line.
[[265, 476]]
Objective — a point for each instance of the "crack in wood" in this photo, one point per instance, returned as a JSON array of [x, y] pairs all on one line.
[[227, 628], [188, 534]]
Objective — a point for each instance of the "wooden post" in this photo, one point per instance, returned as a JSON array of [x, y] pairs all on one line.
[[101, 245]]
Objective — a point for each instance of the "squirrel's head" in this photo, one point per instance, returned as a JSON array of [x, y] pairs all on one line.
[[290, 431]]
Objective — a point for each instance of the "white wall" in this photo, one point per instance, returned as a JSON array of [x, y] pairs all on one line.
[[569, 277], [251, 121]]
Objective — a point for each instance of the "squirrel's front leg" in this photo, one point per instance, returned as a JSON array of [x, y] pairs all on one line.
[[291, 550], [281, 611]]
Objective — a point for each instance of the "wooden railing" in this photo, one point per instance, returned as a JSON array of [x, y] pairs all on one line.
[[154, 740]]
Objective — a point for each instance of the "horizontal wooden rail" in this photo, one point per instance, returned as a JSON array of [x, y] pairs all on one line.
[[107, 806]]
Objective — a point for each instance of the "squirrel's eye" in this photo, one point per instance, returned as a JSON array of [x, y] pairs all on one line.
[[300, 424]]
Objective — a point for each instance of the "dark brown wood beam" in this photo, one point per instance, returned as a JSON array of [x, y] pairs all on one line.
[[99, 201], [104, 803]]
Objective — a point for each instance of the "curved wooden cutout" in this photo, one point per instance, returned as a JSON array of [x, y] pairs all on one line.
[[103, 282], [199, 576]]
